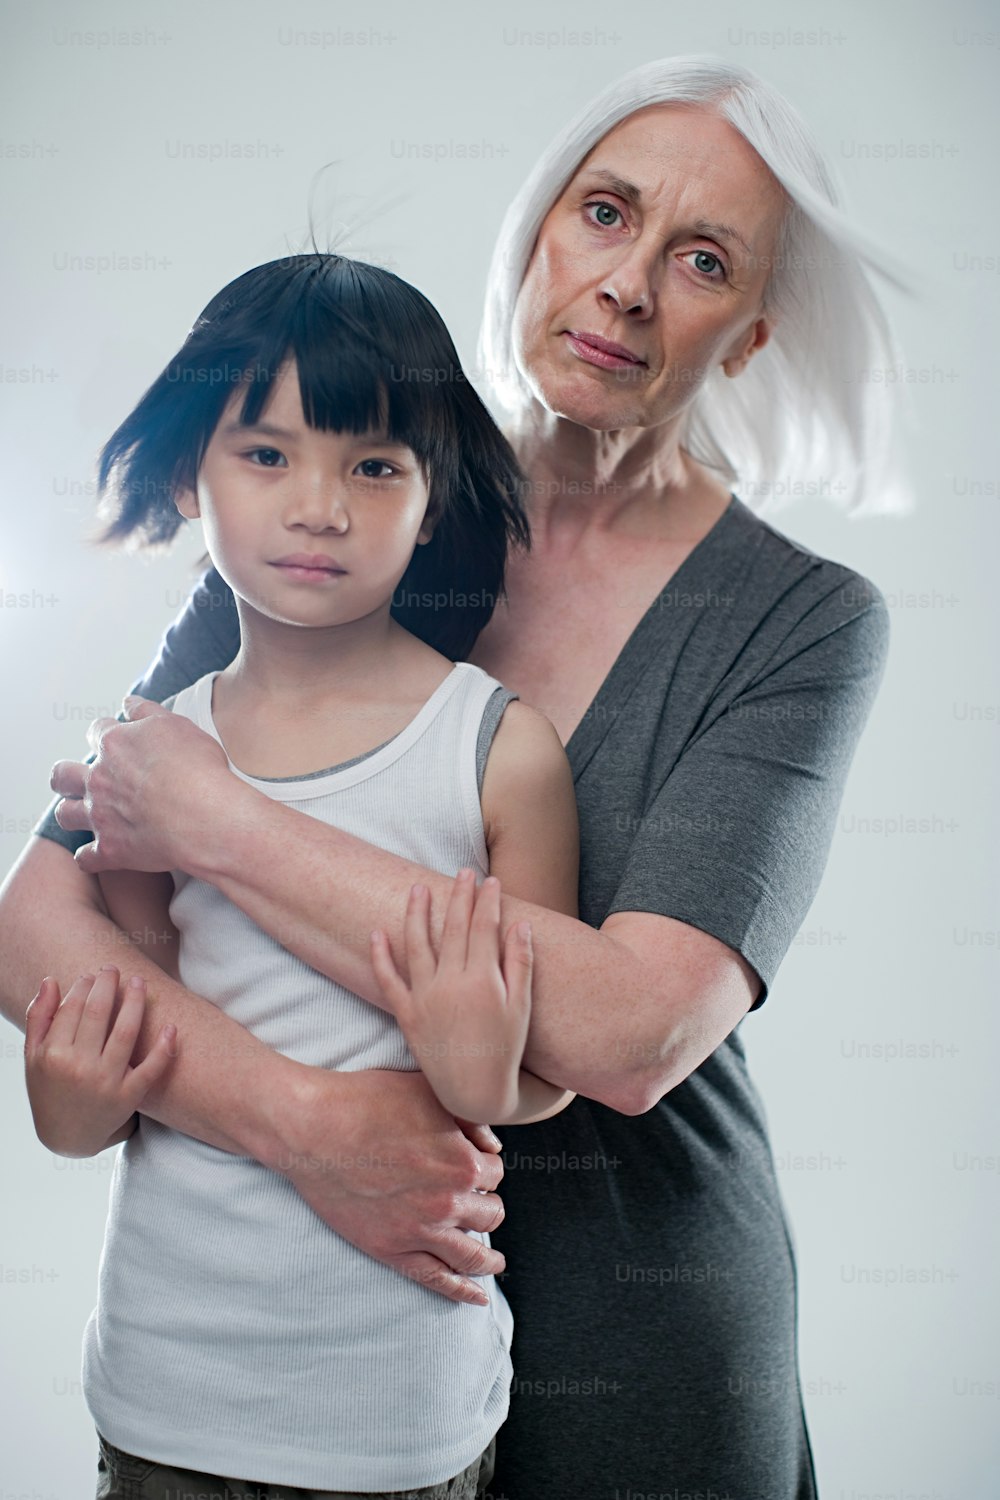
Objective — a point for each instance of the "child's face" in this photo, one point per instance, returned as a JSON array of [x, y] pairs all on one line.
[[284, 507]]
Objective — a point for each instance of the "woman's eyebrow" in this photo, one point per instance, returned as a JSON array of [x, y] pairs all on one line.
[[722, 232], [619, 185]]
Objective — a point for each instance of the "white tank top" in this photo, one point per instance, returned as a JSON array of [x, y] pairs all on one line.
[[235, 1334]]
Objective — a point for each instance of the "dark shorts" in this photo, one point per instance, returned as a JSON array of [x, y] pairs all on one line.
[[122, 1476]]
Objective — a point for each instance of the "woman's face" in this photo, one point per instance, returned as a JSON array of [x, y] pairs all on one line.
[[661, 244]]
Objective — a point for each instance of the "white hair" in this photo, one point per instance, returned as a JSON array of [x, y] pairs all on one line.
[[814, 411]]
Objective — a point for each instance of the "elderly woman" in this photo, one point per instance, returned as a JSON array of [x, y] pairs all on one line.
[[674, 306]]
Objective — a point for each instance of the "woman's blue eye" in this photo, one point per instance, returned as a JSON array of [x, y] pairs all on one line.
[[604, 209], [376, 463], [266, 458], [700, 256]]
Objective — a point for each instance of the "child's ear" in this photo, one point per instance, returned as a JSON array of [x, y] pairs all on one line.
[[186, 502], [428, 524]]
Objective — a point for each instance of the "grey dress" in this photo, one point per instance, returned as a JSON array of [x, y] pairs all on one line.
[[650, 1269]]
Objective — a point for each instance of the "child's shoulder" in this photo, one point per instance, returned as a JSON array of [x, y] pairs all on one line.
[[526, 748], [529, 811], [195, 701]]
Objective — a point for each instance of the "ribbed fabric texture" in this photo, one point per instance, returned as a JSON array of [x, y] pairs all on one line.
[[235, 1333]]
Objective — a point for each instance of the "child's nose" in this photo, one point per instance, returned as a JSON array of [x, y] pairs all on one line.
[[319, 507]]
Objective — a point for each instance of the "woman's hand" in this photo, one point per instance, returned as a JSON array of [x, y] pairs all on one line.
[[83, 1091], [465, 1014], [376, 1156], [145, 796]]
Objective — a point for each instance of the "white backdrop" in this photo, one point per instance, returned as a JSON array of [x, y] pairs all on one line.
[[151, 152]]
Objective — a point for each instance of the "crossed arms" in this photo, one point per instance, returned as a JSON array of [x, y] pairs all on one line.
[[621, 1014]]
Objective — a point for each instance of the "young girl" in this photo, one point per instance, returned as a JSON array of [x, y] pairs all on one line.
[[358, 500]]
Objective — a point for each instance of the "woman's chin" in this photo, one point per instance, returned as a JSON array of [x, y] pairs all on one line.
[[590, 403]]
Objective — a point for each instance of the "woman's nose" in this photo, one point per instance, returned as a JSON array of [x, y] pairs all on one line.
[[628, 285]]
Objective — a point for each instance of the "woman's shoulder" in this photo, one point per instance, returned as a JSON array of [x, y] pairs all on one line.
[[790, 598], [781, 563], [203, 636]]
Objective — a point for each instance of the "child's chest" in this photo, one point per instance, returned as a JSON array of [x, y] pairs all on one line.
[[304, 741]]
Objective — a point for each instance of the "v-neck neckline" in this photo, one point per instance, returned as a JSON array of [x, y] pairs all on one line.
[[627, 665]]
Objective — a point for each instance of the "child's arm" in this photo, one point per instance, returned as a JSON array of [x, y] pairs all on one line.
[[83, 1090], [466, 1016]]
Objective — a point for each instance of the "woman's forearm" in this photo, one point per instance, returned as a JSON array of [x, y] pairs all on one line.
[[223, 1087], [615, 1017], [320, 891]]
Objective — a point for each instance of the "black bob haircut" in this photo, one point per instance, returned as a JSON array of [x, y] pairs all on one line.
[[373, 355]]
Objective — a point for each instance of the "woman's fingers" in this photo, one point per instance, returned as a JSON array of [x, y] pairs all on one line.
[[91, 857], [482, 1212], [72, 814], [434, 1274], [458, 1255], [483, 1137], [141, 708], [38, 1016], [69, 778], [96, 730]]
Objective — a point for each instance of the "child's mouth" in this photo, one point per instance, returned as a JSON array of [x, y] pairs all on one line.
[[309, 567]]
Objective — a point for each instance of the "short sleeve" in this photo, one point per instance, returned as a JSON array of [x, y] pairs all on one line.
[[204, 637], [736, 838]]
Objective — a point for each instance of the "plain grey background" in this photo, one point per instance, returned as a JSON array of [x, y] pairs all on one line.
[[153, 151]]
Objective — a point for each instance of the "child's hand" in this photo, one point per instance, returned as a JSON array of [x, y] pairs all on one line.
[[82, 1088], [464, 1016]]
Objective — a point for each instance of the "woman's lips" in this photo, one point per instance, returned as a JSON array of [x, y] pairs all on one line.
[[602, 352]]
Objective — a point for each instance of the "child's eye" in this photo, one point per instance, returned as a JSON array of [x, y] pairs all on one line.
[[266, 458], [369, 466], [601, 211]]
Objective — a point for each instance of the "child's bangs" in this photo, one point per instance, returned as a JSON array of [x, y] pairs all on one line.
[[350, 380]]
